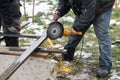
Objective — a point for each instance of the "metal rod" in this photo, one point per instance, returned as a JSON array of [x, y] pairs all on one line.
[[19, 35]]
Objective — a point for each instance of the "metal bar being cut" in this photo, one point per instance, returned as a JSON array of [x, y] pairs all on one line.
[[39, 52], [19, 35], [18, 51]]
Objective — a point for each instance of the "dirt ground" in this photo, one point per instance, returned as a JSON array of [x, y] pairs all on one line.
[[32, 69]]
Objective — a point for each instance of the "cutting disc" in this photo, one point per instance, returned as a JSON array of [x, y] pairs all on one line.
[[55, 30]]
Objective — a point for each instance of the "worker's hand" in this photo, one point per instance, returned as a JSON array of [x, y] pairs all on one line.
[[74, 32], [16, 24], [70, 31], [56, 15], [17, 27]]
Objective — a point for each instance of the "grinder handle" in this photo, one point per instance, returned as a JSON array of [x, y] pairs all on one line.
[[68, 32]]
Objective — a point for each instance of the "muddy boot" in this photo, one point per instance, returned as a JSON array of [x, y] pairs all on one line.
[[102, 73], [69, 56]]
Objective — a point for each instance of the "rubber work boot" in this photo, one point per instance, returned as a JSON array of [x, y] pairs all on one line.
[[69, 56], [12, 41], [102, 73]]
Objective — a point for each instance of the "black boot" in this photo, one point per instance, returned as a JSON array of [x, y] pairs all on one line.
[[69, 56], [102, 73], [12, 41]]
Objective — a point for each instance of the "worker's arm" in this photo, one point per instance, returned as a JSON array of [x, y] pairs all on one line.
[[87, 14], [62, 9]]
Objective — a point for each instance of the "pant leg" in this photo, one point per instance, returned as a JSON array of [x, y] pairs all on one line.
[[0, 23], [74, 40], [71, 45], [12, 41], [14, 10], [101, 27]]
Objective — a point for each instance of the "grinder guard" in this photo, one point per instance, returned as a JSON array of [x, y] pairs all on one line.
[[55, 30]]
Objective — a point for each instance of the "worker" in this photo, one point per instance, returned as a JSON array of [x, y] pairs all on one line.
[[10, 20], [88, 12]]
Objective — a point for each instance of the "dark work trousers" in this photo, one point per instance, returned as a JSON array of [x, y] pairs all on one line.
[[101, 28], [7, 16]]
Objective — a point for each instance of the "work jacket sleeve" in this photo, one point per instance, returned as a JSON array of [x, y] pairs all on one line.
[[63, 7], [104, 6], [86, 14]]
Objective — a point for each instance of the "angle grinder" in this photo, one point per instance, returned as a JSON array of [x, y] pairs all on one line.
[[56, 30]]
